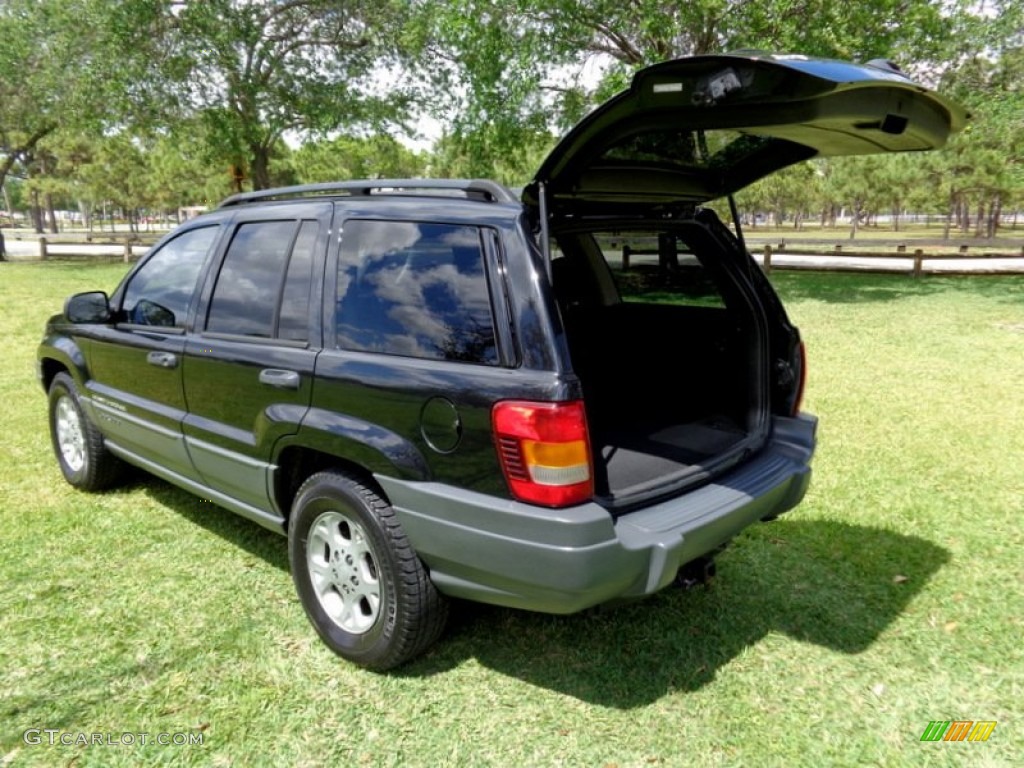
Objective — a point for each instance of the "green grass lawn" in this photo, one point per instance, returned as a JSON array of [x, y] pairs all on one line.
[[890, 598]]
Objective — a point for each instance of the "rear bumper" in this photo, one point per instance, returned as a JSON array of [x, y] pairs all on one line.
[[560, 561]]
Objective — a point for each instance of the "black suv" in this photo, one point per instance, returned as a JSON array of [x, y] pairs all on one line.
[[439, 388]]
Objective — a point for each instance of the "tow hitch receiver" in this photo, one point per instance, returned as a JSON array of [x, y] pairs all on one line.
[[696, 572]]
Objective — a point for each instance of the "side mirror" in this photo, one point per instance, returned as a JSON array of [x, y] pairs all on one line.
[[90, 307]]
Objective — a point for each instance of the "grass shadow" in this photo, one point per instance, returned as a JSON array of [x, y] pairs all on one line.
[[822, 582], [66, 692], [827, 583], [245, 534], [852, 288]]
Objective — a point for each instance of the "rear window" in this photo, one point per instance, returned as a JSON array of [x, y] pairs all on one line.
[[642, 267], [414, 289], [687, 150]]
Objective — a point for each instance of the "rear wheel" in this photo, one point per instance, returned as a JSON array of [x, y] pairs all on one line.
[[84, 460], [360, 581]]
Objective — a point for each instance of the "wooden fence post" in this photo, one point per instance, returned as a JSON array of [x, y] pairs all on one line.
[[767, 264], [127, 251], [918, 254], [42, 247], [626, 251]]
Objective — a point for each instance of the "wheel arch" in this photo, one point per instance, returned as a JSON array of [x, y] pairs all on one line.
[[295, 464], [49, 368], [61, 355], [327, 440]]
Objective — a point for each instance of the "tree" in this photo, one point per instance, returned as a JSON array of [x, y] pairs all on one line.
[[982, 170], [180, 170], [255, 71], [375, 157], [509, 69], [30, 88], [788, 191], [65, 63]]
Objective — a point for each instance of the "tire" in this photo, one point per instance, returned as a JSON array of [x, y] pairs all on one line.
[[361, 583], [81, 453]]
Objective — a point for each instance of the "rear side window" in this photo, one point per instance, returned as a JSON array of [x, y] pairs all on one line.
[[264, 283], [414, 289], [293, 320], [160, 292]]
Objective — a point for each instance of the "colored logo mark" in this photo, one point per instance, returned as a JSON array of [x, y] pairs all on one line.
[[958, 730]]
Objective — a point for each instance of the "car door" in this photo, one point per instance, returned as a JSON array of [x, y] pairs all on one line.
[[135, 384], [413, 359], [249, 363]]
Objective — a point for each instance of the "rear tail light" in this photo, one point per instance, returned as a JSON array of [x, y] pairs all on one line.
[[544, 451]]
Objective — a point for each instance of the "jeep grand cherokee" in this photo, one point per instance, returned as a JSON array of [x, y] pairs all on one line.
[[440, 388]]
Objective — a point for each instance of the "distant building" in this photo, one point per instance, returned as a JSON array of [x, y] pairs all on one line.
[[190, 212]]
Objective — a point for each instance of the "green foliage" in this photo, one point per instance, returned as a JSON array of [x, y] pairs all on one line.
[[256, 71], [376, 157], [790, 193], [510, 69], [72, 64], [203, 89]]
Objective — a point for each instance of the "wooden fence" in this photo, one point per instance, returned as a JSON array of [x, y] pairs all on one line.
[[918, 257], [129, 245], [884, 259]]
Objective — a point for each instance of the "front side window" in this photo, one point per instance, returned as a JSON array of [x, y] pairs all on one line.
[[414, 289], [160, 292]]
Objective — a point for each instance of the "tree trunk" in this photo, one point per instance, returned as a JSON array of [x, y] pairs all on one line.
[[995, 210], [51, 215], [949, 216], [86, 210], [979, 220], [855, 224], [37, 213], [10, 210], [26, 147], [260, 166]]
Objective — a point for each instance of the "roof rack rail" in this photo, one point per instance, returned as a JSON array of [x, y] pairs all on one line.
[[479, 189]]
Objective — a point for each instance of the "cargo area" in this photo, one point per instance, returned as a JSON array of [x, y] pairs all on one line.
[[668, 351]]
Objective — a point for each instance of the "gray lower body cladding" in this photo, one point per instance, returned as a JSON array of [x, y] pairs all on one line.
[[504, 552]]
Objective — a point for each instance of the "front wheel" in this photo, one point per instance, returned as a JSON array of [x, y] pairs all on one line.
[[84, 460], [360, 581]]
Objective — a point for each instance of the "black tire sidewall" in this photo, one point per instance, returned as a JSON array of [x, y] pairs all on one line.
[[64, 386], [370, 648]]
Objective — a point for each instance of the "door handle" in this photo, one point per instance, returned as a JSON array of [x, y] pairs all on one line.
[[281, 379], [162, 359]]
